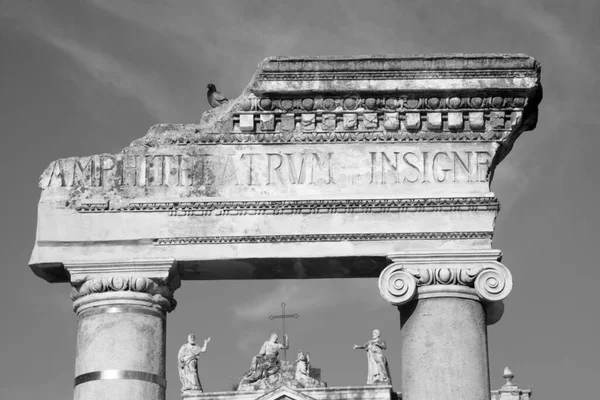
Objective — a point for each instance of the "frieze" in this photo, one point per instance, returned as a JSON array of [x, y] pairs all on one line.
[[340, 237], [357, 136], [435, 124], [292, 207], [395, 114], [383, 103]]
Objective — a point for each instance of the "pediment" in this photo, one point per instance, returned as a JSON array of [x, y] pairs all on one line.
[[285, 393]]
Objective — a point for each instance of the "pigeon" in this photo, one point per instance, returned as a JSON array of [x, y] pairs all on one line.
[[215, 99]]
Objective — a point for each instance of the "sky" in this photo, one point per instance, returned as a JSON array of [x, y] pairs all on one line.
[[88, 77]]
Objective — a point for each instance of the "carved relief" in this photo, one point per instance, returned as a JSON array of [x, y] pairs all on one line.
[[350, 121], [384, 103], [308, 122], [329, 122], [390, 121], [370, 120]]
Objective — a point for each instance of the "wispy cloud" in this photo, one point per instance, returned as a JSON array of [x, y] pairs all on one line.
[[117, 75], [231, 36], [250, 341]]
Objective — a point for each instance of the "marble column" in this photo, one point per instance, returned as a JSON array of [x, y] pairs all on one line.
[[446, 300], [121, 331]]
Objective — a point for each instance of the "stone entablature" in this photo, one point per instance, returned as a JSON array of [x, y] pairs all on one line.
[[320, 157]]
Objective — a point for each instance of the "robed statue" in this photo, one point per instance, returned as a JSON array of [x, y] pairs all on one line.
[[266, 363], [302, 373], [377, 367], [188, 364], [268, 373]]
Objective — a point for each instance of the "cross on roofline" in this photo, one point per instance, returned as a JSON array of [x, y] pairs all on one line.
[[283, 316]]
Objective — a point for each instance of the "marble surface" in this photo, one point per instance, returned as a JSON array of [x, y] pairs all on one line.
[[319, 159]]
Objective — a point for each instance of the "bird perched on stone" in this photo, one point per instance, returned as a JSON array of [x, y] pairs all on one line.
[[215, 99]]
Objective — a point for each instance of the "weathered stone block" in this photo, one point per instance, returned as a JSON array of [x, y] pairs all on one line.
[[288, 122], [476, 121], [516, 119], [370, 120], [413, 121], [329, 122], [267, 122], [308, 122], [434, 121], [350, 121], [455, 120], [246, 122], [391, 121], [497, 119]]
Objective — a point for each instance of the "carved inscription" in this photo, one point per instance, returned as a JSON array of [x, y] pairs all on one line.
[[269, 168], [248, 169], [423, 167]]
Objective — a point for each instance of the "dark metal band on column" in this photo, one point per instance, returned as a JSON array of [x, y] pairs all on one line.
[[124, 309], [120, 374]]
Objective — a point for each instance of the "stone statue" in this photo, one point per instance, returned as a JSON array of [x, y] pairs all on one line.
[[266, 363], [303, 371], [378, 371], [188, 364], [267, 372]]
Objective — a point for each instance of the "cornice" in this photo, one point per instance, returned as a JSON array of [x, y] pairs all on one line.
[[397, 67]]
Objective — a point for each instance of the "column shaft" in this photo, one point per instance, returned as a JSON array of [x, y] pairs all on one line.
[[121, 331], [446, 300], [444, 350], [120, 349]]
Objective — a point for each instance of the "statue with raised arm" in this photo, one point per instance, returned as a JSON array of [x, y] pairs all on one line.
[[378, 371], [188, 364]]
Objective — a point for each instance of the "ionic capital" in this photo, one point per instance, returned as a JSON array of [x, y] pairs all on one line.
[[149, 282], [471, 274]]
